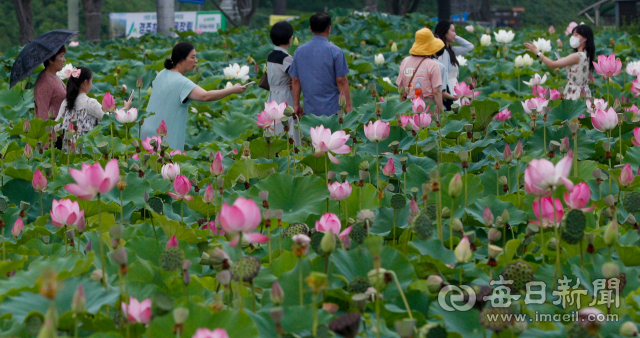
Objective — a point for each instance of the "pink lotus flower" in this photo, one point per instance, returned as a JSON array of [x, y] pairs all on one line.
[[382, 99], [465, 93], [604, 120], [39, 182], [264, 122], [487, 216], [600, 104], [536, 104], [329, 222], [547, 219], [206, 333], [240, 219], [137, 312], [93, 180], [177, 152], [389, 169], [636, 137], [209, 194], [170, 171], [326, 142], [422, 120], [554, 95], [536, 80], [579, 197], [182, 187], [418, 105], [74, 44], [570, 28], [274, 111], [17, 228], [635, 87], [626, 175], [128, 116], [198, 31], [66, 212], [217, 168], [339, 191], [408, 120], [173, 242], [538, 90], [634, 109], [148, 147], [344, 237], [377, 131], [541, 175], [162, 129], [108, 104], [503, 115], [551, 29], [608, 66], [212, 226]]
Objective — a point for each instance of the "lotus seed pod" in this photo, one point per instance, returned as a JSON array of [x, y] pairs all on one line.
[[404, 160], [24, 206], [422, 226], [378, 278], [119, 256], [103, 147], [606, 146], [224, 277], [97, 275], [630, 220], [364, 165], [116, 231], [358, 285], [611, 233], [289, 111], [398, 201], [527, 240], [607, 213], [405, 327], [520, 273], [434, 284], [358, 233], [471, 235], [463, 155], [632, 203], [590, 237], [468, 128], [220, 182], [180, 315], [414, 192], [171, 259], [532, 229], [365, 217], [267, 214], [610, 270], [494, 235], [553, 244], [532, 124], [278, 213], [629, 329], [519, 327], [446, 212], [554, 146], [494, 251], [394, 145], [609, 200], [246, 269], [145, 157], [364, 175], [573, 226], [502, 180], [456, 224]]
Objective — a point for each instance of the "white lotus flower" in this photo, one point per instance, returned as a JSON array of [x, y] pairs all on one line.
[[128, 116], [543, 45], [536, 80], [518, 62], [633, 68], [470, 28], [528, 61], [228, 85], [388, 80], [62, 74], [461, 60], [379, 59], [503, 36], [485, 40], [236, 72]]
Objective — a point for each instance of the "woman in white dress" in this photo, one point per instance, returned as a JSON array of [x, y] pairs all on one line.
[[579, 64], [446, 31]]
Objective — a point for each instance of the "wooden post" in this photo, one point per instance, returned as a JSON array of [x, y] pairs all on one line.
[[72, 15]]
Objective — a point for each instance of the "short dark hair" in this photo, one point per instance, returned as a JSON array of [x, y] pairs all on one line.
[[180, 52], [281, 32], [319, 22], [62, 49]]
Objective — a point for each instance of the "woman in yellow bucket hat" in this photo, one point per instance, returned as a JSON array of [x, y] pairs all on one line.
[[420, 75]]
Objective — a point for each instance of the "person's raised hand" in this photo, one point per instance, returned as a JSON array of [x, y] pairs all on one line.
[[531, 48], [128, 104], [238, 88]]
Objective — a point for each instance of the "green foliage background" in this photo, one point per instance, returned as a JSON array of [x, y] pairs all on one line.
[[52, 14]]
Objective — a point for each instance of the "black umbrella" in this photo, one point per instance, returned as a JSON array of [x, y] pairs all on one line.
[[38, 51]]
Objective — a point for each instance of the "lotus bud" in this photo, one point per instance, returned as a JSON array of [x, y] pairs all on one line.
[[139, 82], [505, 216], [332, 176], [456, 224], [240, 179], [502, 180], [565, 145], [379, 279], [455, 186], [494, 235], [630, 220], [471, 235], [154, 143], [611, 233], [463, 155], [434, 283], [97, 275], [26, 127], [609, 200], [328, 243], [116, 231], [597, 174], [629, 329], [119, 256], [220, 182], [463, 251], [553, 244], [507, 156], [277, 294], [224, 277], [446, 212], [494, 251], [394, 47], [186, 277], [28, 151], [468, 128], [79, 300], [87, 247], [610, 270], [180, 315], [518, 151], [606, 213]]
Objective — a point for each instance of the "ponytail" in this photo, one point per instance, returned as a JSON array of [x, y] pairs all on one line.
[[73, 86], [179, 53], [168, 64]]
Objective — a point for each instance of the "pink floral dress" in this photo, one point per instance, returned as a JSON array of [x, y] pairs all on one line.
[[578, 79]]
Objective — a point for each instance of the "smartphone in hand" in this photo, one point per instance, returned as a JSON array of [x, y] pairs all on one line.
[[249, 84], [131, 96]]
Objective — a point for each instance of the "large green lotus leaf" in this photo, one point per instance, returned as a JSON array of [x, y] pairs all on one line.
[[298, 197], [567, 110], [205, 209], [586, 140], [359, 261], [24, 303], [485, 111], [330, 122], [182, 233], [259, 148], [233, 126], [496, 206], [133, 192], [249, 169], [369, 200], [384, 221], [465, 323], [474, 192], [65, 267], [317, 164]]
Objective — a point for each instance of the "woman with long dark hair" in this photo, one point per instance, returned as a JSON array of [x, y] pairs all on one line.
[[49, 91], [579, 64], [446, 31], [87, 112], [172, 93]]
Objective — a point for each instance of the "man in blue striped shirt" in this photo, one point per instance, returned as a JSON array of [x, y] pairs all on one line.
[[319, 70]]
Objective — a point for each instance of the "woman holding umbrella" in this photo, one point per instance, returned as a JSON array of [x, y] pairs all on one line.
[[49, 91]]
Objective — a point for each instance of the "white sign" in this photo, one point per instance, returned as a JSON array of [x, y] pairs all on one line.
[[133, 25]]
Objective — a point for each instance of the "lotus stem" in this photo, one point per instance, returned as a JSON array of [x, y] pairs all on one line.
[[253, 296], [41, 206], [557, 229], [453, 201], [610, 165], [541, 229], [104, 266], [269, 244], [301, 289], [111, 129], [377, 314], [404, 298], [378, 172], [518, 181], [393, 241], [288, 153], [121, 208], [326, 175], [544, 134], [4, 250], [346, 214], [64, 237]]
